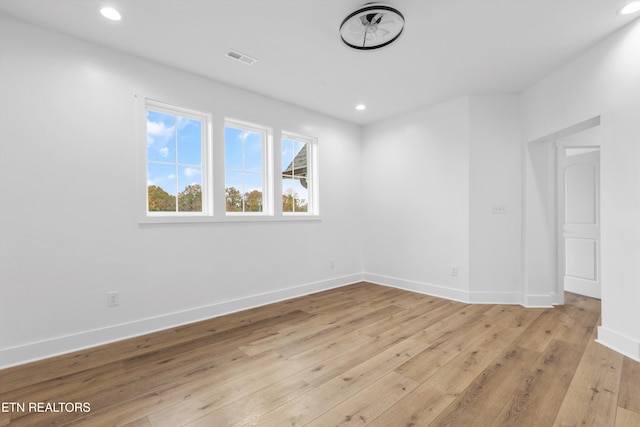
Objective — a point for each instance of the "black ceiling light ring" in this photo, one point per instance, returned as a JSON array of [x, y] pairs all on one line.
[[372, 26]]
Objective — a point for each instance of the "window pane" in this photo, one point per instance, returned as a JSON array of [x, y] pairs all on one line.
[[189, 141], [300, 159], [234, 191], [176, 142], [287, 194], [244, 168], [295, 197], [161, 188], [253, 192], [295, 185], [287, 156], [300, 196], [253, 151], [233, 148], [190, 183], [160, 137]]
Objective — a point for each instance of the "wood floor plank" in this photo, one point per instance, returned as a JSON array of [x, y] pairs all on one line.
[[542, 386], [626, 418], [411, 321], [314, 403], [5, 417], [292, 333], [487, 394], [315, 367], [444, 345], [142, 422], [543, 330], [580, 325], [244, 410], [438, 391], [629, 397], [328, 334], [368, 404], [593, 394], [205, 394], [362, 354], [330, 364]]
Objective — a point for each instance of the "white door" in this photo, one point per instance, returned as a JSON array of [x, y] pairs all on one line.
[[579, 217]]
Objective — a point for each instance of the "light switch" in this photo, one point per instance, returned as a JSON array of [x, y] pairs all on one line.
[[499, 208]]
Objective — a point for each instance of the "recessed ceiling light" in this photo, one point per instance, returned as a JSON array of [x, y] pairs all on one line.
[[629, 8], [111, 13], [361, 107]]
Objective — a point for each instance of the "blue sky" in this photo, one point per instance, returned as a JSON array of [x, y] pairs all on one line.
[[174, 151], [174, 156], [243, 159]]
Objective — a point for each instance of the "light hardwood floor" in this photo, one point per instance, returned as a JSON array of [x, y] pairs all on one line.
[[358, 355]]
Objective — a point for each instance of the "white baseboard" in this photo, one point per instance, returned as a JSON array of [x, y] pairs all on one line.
[[419, 287], [495, 298], [444, 292], [539, 301], [619, 342], [66, 344]]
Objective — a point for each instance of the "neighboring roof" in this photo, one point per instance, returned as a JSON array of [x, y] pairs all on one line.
[[298, 167]]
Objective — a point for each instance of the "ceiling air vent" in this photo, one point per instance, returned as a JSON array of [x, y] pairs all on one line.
[[239, 56]]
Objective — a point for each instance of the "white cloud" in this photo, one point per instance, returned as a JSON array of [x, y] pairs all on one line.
[[171, 176], [191, 172], [164, 151], [158, 130]]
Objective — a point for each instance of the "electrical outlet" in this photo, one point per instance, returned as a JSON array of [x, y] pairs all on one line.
[[332, 263], [454, 270], [113, 298]]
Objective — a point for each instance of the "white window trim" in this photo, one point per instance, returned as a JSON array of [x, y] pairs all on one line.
[[267, 167], [144, 104], [213, 173], [312, 173]]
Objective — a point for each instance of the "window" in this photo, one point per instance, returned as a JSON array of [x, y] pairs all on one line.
[[247, 163], [298, 177], [180, 161], [177, 146]]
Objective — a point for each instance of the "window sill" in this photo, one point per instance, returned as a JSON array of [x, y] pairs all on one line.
[[198, 219]]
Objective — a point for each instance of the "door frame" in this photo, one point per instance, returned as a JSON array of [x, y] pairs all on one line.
[[560, 145]]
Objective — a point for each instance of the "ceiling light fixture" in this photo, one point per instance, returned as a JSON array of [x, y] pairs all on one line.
[[629, 8], [372, 26], [111, 13], [361, 107]]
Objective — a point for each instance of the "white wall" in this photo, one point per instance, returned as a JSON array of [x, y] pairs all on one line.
[[494, 178], [605, 82], [416, 200], [540, 264], [69, 230], [431, 178]]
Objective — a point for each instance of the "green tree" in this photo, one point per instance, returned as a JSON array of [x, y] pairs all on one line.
[[291, 202], [190, 199], [159, 200], [234, 199], [253, 201]]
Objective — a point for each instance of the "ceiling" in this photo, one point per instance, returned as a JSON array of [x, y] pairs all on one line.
[[449, 48]]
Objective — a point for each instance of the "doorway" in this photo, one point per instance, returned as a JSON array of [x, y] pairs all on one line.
[[578, 229]]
